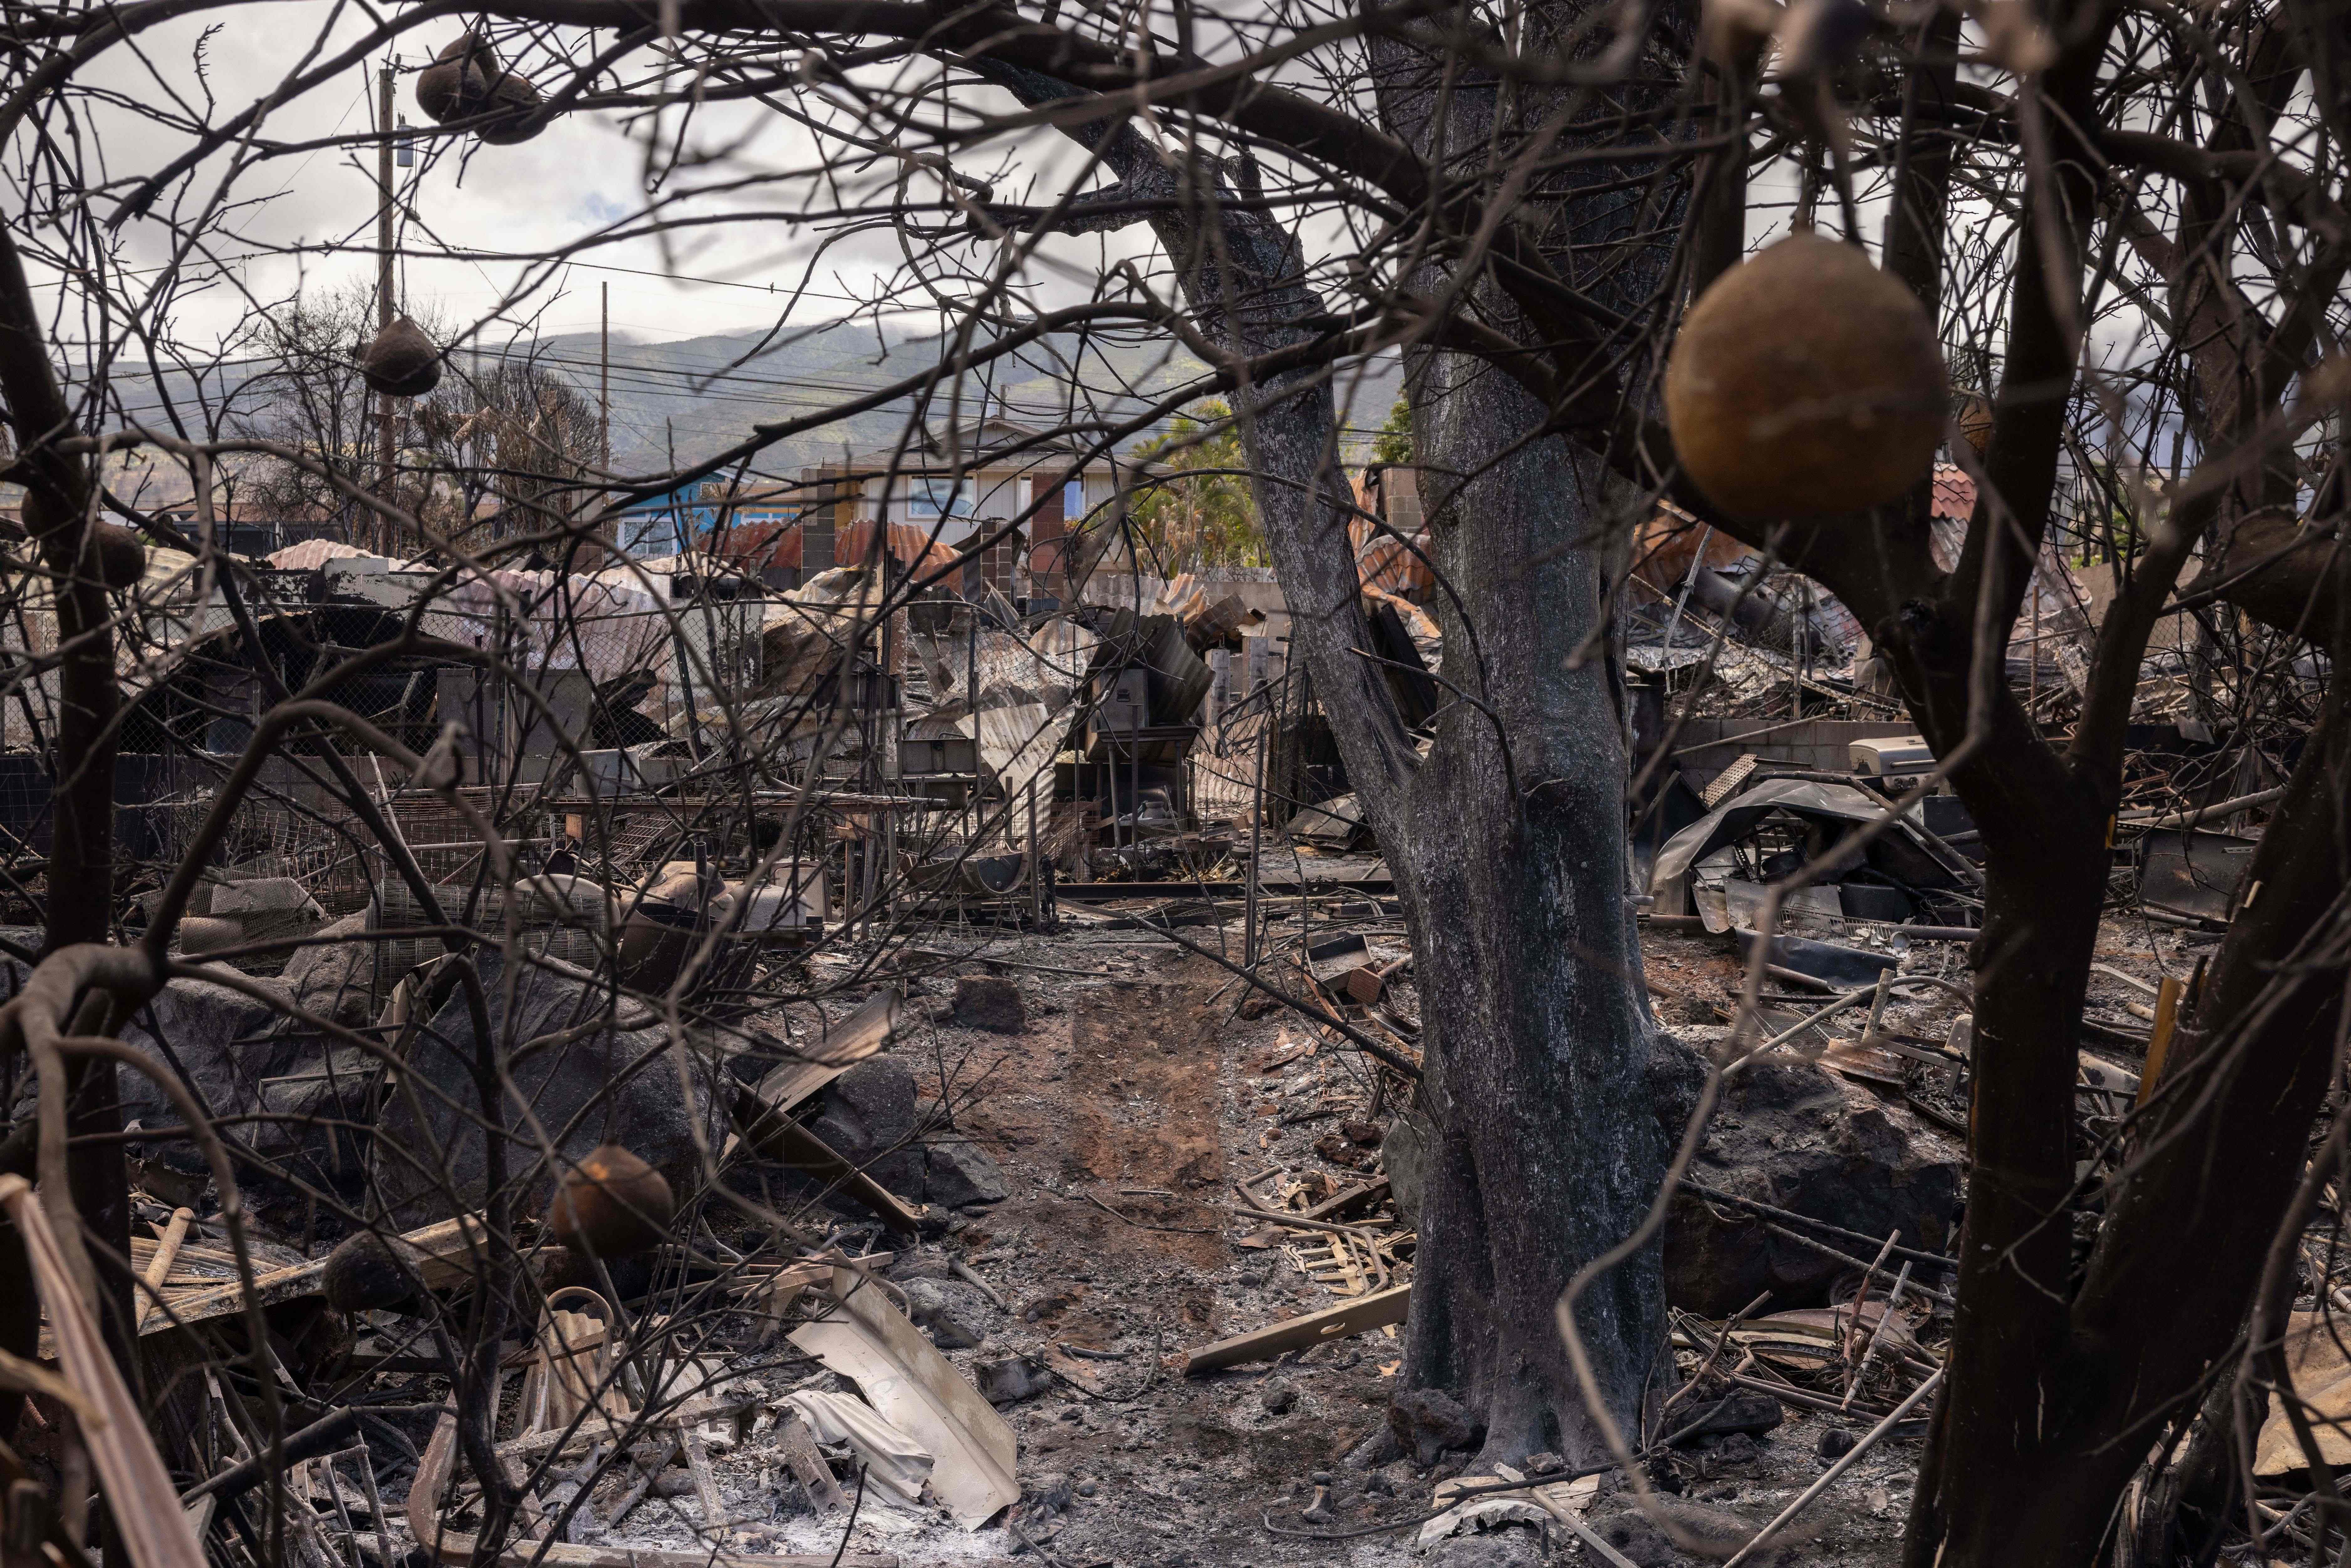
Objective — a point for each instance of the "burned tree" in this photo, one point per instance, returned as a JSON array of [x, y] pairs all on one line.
[[300, 386], [2121, 224], [513, 439]]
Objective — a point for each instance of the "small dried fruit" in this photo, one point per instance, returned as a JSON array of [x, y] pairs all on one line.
[[401, 362], [1806, 382], [612, 1204]]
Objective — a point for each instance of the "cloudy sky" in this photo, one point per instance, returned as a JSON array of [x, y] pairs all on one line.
[[306, 219], [583, 174]]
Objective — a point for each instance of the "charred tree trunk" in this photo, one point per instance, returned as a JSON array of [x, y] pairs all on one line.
[[1543, 1149], [1509, 847], [2028, 1465], [1507, 841], [61, 517], [1544, 1152], [2059, 1382]]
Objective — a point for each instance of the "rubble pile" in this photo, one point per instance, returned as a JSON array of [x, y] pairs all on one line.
[[877, 1070]]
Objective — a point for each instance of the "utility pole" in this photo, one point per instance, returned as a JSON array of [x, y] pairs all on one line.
[[604, 391], [383, 176]]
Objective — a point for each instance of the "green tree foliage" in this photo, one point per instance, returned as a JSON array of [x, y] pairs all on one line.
[[1393, 443], [1201, 513]]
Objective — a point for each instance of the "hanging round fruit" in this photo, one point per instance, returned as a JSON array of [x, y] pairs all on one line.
[[401, 362], [1805, 384], [513, 99], [122, 557], [1975, 421], [457, 82], [466, 79]]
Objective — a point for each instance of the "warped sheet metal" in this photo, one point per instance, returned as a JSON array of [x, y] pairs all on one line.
[[1737, 817], [893, 1460], [1026, 688], [1016, 744], [2321, 1369], [1046, 667], [865, 1339], [2194, 873], [805, 631]]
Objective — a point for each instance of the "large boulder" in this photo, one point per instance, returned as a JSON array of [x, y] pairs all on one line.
[[225, 1043], [336, 980], [1794, 1136], [244, 1059], [315, 1122], [870, 1118], [584, 1081]]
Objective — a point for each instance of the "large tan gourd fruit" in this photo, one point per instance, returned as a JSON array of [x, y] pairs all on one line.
[[1805, 382]]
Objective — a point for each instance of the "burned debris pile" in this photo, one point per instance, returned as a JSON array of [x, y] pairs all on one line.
[[667, 1076], [549, 1140]]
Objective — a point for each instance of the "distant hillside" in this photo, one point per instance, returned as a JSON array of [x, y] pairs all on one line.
[[682, 401], [679, 401]]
